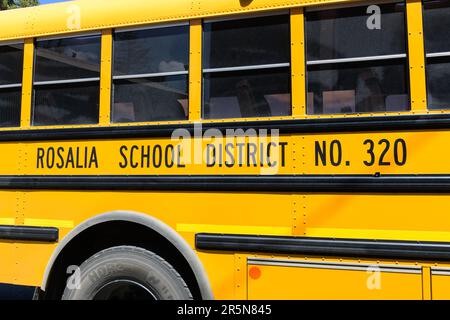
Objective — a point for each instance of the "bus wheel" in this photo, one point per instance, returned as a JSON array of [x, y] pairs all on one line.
[[126, 273]]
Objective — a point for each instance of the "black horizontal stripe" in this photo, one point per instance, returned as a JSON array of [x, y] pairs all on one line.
[[16, 292], [323, 125], [24, 233], [324, 246], [234, 183]]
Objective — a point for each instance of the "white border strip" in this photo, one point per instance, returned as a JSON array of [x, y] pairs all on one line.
[[333, 6], [334, 265], [438, 54], [11, 42], [10, 86], [151, 75], [43, 83], [150, 27], [69, 36], [244, 68], [440, 271], [357, 59], [242, 16]]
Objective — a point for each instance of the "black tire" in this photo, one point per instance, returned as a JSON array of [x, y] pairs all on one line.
[[37, 295], [127, 273]]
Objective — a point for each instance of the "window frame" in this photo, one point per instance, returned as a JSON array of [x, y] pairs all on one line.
[[147, 75], [429, 60], [362, 59], [153, 74], [256, 67], [441, 54], [9, 43], [37, 84], [66, 81], [14, 85]]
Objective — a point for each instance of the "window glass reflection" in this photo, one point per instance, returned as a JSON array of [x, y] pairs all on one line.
[[252, 41], [260, 93], [67, 58], [63, 105], [343, 33], [152, 99], [246, 68], [10, 107], [357, 88], [438, 84], [66, 81], [436, 24], [11, 61], [143, 91], [437, 46], [151, 51], [362, 73]]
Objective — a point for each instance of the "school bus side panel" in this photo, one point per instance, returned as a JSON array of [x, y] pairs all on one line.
[[327, 281], [186, 212]]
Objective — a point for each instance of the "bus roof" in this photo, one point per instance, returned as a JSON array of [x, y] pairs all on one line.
[[61, 18]]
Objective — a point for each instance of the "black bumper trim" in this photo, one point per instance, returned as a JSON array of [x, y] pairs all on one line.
[[415, 250], [416, 184], [295, 126], [32, 234]]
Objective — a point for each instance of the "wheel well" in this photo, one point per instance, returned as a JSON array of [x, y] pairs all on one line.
[[115, 233]]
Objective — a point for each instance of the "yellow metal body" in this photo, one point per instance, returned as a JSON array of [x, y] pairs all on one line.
[[298, 64], [341, 215], [324, 282], [416, 55], [195, 70], [27, 82], [440, 285], [106, 77]]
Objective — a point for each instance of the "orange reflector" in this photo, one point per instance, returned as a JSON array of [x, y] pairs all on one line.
[[254, 273]]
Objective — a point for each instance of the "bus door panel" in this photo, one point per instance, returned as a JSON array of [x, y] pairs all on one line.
[[294, 279], [440, 283]]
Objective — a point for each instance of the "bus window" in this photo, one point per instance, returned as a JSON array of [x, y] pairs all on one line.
[[246, 69], [437, 48], [11, 63], [356, 60], [150, 74], [67, 81]]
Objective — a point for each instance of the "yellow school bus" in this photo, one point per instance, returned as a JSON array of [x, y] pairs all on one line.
[[233, 149]]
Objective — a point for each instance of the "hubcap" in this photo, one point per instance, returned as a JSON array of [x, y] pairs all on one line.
[[124, 290]]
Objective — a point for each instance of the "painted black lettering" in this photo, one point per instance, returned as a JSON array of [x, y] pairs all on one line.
[[230, 155], [60, 162], [283, 153], [261, 154], [321, 153], [133, 164], [220, 157], [145, 156], [40, 158], [86, 149], [240, 153], [335, 153], [77, 158], [123, 164], [168, 156], [269, 155], [370, 152], [387, 145], [157, 156], [50, 157], [179, 164], [210, 155], [400, 156], [251, 154], [94, 159]]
